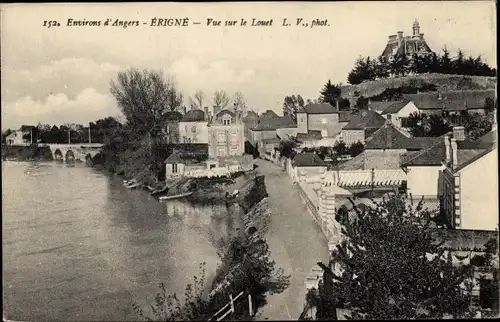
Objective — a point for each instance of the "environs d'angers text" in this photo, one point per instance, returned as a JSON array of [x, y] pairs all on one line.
[[184, 22]]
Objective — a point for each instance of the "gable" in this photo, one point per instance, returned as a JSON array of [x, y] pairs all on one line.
[[407, 110]]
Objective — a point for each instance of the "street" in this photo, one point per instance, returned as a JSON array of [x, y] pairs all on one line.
[[295, 240]]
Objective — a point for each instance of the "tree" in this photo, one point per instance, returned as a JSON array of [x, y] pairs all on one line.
[[391, 266], [489, 104], [356, 148], [145, 97], [446, 66], [400, 65], [458, 63], [416, 124], [362, 71], [221, 99], [239, 102], [168, 307], [291, 105], [340, 148], [330, 93], [198, 99], [288, 148]]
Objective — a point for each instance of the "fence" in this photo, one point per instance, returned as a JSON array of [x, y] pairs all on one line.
[[229, 308], [365, 178]]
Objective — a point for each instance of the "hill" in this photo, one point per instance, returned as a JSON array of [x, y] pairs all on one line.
[[443, 83]]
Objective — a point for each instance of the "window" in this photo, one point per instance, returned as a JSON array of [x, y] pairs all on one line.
[[174, 168], [193, 128], [404, 122], [226, 122], [220, 137], [186, 127]]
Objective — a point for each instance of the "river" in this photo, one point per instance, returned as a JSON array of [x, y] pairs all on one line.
[[77, 245]]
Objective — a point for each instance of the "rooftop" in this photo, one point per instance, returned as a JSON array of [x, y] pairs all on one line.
[[308, 159], [318, 108], [173, 116], [271, 141], [272, 123], [195, 115], [365, 120], [451, 101], [387, 137], [395, 107], [310, 135]]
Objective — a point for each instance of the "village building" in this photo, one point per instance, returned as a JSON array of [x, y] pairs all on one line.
[[193, 128], [361, 127], [452, 102], [407, 45], [22, 136], [470, 198], [170, 130], [270, 126], [226, 135], [250, 120], [322, 117], [399, 113]]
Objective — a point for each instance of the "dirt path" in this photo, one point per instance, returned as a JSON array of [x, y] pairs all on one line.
[[295, 240]]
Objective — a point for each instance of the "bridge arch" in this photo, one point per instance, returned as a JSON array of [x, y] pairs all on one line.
[[58, 156], [70, 155]]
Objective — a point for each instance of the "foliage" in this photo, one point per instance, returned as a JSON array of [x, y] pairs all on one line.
[[291, 105], [198, 99], [5, 134], [330, 93], [475, 124], [340, 148], [288, 148], [221, 99], [168, 307], [356, 149], [366, 69], [239, 102], [247, 266], [389, 266]]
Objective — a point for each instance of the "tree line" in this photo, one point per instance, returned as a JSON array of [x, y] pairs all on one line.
[[368, 69]]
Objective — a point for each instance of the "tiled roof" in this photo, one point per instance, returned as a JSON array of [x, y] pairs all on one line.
[[466, 157], [251, 114], [345, 116], [173, 116], [393, 48], [310, 135], [365, 120], [387, 137], [395, 107], [490, 137], [379, 106], [435, 154], [26, 128], [194, 116], [269, 113], [174, 158], [274, 123], [307, 160], [221, 113], [451, 101], [319, 108]]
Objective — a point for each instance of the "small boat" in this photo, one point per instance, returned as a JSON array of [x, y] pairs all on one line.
[[182, 195], [158, 191]]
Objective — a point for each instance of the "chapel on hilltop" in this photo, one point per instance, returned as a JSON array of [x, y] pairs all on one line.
[[407, 45]]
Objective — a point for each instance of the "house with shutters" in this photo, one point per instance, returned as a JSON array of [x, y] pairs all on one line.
[[170, 129], [22, 136], [470, 185], [226, 135], [322, 117]]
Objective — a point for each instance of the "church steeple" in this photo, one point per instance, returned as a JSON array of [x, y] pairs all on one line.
[[416, 28]]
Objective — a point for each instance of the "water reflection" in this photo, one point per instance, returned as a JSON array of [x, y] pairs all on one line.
[[77, 245]]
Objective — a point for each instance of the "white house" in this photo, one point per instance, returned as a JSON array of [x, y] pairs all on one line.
[[399, 112], [19, 137], [470, 186]]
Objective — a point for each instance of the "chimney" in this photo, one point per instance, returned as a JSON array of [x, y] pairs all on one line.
[[209, 117], [337, 104], [400, 37], [454, 154], [206, 112], [447, 149], [439, 96], [369, 101], [388, 138], [184, 109], [459, 133], [217, 110]]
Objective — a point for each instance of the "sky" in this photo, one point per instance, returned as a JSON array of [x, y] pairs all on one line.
[[62, 74]]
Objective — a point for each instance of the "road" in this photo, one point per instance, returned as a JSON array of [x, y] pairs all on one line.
[[295, 240]]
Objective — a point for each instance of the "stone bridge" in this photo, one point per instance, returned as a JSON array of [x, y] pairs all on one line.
[[75, 151]]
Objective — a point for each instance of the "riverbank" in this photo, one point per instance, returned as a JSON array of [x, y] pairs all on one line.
[[26, 153]]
